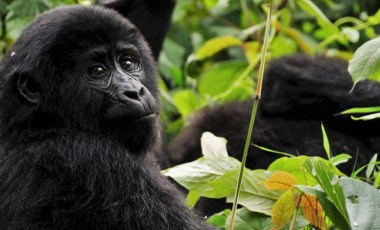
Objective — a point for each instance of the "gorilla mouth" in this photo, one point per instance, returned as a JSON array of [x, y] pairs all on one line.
[[146, 117]]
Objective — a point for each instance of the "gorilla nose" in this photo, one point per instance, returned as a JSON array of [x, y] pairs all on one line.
[[135, 94]]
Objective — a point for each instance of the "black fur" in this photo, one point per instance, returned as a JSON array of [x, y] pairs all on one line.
[[63, 163], [300, 92], [152, 17]]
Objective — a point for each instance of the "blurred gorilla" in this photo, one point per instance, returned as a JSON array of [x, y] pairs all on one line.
[[300, 92], [79, 119]]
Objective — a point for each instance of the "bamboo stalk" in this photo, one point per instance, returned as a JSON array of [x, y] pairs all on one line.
[[253, 114]]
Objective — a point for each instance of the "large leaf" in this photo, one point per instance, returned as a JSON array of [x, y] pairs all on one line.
[[280, 181], [198, 176], [283, 209], [293, 166], [365, 63], [254, 196], [312, 211], [363, 202]]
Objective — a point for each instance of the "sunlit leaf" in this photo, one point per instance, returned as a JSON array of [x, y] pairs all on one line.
[[213, 146], [254, 196], [215, 45], [326, 144], [312, 211], [373, 109], [283, 209], [365, 63], [280, 181], [293, 166], [367, 117], [340, 159], [192, 198], [199, 175]]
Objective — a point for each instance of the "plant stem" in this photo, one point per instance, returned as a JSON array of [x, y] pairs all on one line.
[[253, 114]]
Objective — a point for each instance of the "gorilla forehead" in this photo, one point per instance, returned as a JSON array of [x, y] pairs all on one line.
[[59, 32]]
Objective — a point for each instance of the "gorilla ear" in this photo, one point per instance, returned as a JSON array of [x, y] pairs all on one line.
[[29, 89]]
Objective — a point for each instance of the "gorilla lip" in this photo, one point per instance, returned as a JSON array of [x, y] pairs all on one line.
[[145, 117]]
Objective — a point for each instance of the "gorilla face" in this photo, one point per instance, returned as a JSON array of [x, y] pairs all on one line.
[[120, 75], [97, 77]]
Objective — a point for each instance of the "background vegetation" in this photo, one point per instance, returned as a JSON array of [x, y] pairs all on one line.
[[211, 57]]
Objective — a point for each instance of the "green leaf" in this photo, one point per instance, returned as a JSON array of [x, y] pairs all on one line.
[[362, 110], [213, 146], [339, 159], [198, 176], [170, 61], [219, 219], [254, 196], [220, 77], [186, 102], [277, 46], [371, 166], [326, 144], [309, 7], [327, 179], [215, 45], [365, 63], [247, 220], [293, 166], [363, 204], [367, 117], [192, 198]]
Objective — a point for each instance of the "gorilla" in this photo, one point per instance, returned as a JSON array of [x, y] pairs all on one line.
[[299, 93], [79, 120]]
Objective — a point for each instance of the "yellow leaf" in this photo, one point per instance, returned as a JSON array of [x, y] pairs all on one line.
[[312, 211], [282, 210], [251, 50], [215, 45], [280, 180]]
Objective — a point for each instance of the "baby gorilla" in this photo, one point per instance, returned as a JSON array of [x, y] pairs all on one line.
[[79, 120]]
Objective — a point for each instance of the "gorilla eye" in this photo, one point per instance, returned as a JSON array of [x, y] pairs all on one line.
[[129, 63], [96, 71]]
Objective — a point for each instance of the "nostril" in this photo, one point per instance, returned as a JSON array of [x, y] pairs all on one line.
[[132, 94], [142, 92]]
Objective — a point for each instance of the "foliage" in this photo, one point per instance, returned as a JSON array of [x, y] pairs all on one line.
[[15, 15], [293, 193], [213, 48]]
